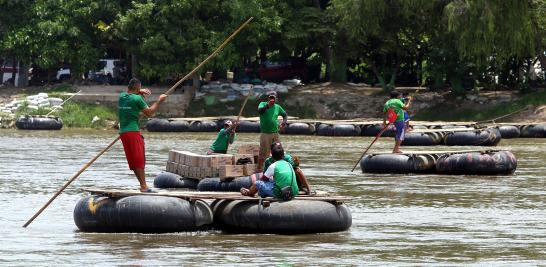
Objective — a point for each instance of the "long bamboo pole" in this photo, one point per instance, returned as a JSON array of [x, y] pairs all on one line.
[[239, 116], [63, 103], [115, 140]]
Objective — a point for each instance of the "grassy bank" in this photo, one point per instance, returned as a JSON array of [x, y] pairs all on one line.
[[202, 108], [79, 115], [451, 112]]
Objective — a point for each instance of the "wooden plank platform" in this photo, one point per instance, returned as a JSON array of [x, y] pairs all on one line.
[[436, 152], [194, 195]]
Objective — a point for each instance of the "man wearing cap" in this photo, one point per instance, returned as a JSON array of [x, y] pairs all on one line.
[[269, 126], [225, 137], [130, 104]]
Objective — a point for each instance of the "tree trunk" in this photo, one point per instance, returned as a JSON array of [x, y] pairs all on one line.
[[13, 70], [22, 81], [339, 69], [1, 70], [328, 58], [134, 63], [379, 77], [542, 59]]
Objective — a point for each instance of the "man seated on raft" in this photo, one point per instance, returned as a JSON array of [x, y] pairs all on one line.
[[225, 137], [293, 161], [277, 181]]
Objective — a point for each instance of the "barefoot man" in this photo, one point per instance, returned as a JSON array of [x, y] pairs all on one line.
[[131, 103], [398, 107]]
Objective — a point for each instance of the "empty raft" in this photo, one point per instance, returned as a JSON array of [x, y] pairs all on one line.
[[338, 130], [287, 217], [141, 213], [533, 131], [509, 131], [38, 123], [422, 139], [248, 127], [171, 180], [229, 185], [374, 129], [164, 125], [483, 137], [397, 163], [203, 126], [490, 163], [300, 128]]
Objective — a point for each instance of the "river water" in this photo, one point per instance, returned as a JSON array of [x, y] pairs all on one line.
[[397, 219]]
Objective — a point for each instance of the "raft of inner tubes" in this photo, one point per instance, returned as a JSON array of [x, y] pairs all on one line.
[[285, 217], [160, 214], [472, 163], [485, 136], [139, 213], [38, 123]]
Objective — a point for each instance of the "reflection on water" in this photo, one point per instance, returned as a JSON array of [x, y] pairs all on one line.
[[419, 219]]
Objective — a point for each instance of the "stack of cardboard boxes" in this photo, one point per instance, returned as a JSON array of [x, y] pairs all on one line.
[[191, 165]]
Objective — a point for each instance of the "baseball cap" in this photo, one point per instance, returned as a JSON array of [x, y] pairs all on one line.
[[272, 94], [228, 123]]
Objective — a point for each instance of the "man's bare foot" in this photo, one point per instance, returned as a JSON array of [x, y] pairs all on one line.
[[245, 192]]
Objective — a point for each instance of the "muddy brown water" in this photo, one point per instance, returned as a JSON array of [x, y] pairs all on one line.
[[397, 219]]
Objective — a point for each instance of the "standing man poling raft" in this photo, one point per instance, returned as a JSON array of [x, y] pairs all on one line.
[[269, 126], [398, 107], [131, 103], [225, 137]]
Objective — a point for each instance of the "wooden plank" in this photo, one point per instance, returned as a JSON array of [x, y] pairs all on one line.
[[435, 152], [320, 196]]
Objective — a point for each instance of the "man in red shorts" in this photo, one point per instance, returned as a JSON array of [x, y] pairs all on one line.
[[130, 104]]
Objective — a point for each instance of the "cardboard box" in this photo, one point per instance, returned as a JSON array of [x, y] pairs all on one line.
[[221, 160], [205, 161], [215, 172], [191, 160], [172, 156], [231, 171], [207, 172], [249, 169], [170, 167], [243, 156], [249, 149]]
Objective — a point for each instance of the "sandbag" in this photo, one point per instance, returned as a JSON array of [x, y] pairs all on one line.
[[485, 137], [508, 132], [172, 180], [38, 123], [287, 217], [203, 126], [141, 213], [397, 163], [338, 130], [533, 131], [229, 185], [299, 128], [492, 163], [422, 139]]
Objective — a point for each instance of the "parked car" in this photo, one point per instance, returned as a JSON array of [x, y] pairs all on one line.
[[7, 69], [63, 74], [111, 71], [279, 71]]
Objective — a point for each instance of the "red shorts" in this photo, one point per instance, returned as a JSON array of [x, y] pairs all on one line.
[[133, 144]]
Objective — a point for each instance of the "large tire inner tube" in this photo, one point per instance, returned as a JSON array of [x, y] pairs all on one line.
[[422, 139], [229, 185], [143, 214], [338, 130], [485, 137], [287, 217], [38, 123], [374, 129], [508, 132], [171, 180], [248, 127], [493, 163], [397, 163], [164, 125], [300, 128], [533, 131], [203, 126]]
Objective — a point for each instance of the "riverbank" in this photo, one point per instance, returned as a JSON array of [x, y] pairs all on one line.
[[95, 108]]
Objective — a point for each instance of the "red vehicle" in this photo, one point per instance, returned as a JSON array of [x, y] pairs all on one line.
[[280, 71]]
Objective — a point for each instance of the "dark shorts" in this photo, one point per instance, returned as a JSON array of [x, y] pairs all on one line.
[[407, 117], [400, 130], [133, 145]]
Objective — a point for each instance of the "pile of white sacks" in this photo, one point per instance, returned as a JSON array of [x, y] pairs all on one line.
[[32, 102]]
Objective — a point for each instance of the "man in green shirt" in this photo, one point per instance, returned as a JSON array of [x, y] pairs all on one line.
[[269, 126], [398, 107], [303, 184], [278, 175], [130, 104], [225, 137]]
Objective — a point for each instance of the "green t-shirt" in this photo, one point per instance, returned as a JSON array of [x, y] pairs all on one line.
[[269, 119], [283, 175], [221, 142], [287, 157], [397, 106], [129, 107]]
